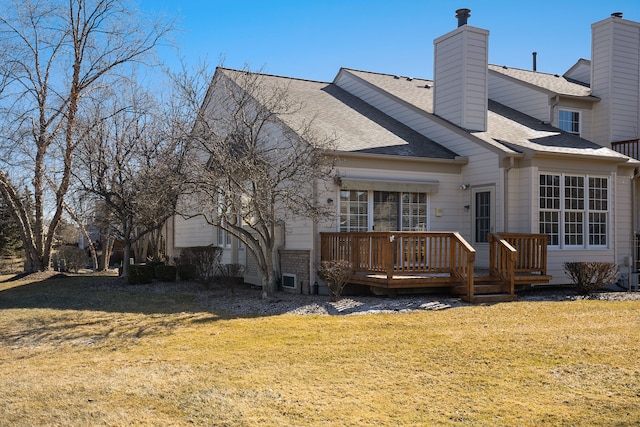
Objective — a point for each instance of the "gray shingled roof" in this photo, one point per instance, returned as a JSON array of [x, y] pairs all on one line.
[[509, 128], [522, 132], [554, 83], [359, 127]]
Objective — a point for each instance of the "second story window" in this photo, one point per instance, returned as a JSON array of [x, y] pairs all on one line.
[[569, 121]]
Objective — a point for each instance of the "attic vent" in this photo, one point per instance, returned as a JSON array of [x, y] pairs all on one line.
[[556, 75], [617, 14], [427, 86], [396, 77], [409, 79], [505, 67]]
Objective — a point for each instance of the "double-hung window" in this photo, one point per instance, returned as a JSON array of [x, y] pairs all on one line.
[[569, 121], [354, 210], [574, 210]]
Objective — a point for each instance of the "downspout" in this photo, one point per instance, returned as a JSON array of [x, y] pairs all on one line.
[[553, 107], [634, 226], [283, 244], [505, 197], [314, 244]]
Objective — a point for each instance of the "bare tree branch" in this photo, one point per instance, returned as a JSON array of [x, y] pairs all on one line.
[[56, 53], [258, 162]]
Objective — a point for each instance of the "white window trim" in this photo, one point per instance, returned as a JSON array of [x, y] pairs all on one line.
[[571, 110], [585, 220], [370, 208]]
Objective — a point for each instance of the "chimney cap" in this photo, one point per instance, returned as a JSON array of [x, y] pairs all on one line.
[[463, 15], [617, 14]]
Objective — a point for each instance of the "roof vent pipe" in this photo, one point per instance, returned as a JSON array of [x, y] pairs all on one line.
[[617, 14], [535, 65], [463, 15]]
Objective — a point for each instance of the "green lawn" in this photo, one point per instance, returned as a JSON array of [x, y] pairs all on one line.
[[72, 353]]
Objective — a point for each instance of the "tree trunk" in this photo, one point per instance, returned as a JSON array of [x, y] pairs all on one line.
[[268, 275], [125, 261], [107, 251], [268, 284]]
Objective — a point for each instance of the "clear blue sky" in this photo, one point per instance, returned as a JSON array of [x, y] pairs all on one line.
[[313, 39]]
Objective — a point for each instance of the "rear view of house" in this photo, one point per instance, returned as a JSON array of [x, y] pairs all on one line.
[[485, 167]]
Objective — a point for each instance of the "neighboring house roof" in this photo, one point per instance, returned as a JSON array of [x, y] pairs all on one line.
[[512, 130], [360, 128], [553, 83]]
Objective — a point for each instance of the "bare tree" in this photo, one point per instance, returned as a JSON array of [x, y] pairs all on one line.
[[129, 162], [260, 158], [55, 54]]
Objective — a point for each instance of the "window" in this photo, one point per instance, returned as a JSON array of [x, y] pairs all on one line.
[[569, 121], [414, 211], [574, 210], [385, 210], [482, 216], [223, 238], [354, 210]]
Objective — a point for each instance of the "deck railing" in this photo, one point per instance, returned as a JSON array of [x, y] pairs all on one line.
[[401, 252], [502, 261], [463, 257], [629, 148], [514, 258], [531, 252]]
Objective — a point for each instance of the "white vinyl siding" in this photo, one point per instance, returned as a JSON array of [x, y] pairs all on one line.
[[525, 99], [461, 92], [581, 71], [616, 79], [192, 232]]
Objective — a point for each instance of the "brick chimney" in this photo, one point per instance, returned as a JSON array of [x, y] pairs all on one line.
[[461, 75]]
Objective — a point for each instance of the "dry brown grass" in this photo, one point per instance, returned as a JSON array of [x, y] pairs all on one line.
[[76, 354]]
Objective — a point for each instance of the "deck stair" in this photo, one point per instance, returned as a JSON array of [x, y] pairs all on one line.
[[486, 289]]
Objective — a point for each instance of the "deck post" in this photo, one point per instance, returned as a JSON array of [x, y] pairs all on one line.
[[354, 252], [492, 254], [388, 255]]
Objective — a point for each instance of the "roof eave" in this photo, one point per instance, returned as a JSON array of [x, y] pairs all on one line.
[[457, 160], [626, 161]]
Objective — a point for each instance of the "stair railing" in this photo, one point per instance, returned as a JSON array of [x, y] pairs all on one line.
[[502, 261]]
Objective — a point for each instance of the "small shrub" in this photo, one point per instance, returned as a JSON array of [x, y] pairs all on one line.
[[204, 261], [70, 258], [185, 272], [231, 274], [166, 273], [335, 273], [138, 274], [591, 276], [152, 266]]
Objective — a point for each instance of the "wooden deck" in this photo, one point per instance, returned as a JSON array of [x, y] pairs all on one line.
[[405, 260]]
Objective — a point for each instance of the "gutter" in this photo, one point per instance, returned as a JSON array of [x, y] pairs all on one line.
[[458, 160]]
